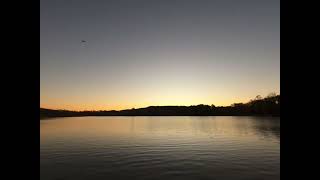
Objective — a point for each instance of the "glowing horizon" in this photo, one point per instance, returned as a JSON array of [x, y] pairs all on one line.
[[98, 107]]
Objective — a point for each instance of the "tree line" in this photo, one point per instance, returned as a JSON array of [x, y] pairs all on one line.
[[267, 106]]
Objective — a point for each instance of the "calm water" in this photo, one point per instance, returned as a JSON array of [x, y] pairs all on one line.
[[160, 148]]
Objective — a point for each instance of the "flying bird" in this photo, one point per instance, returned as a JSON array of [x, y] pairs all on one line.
[[83, 41]]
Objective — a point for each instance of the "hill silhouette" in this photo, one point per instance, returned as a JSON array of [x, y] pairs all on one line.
[[268, 106]]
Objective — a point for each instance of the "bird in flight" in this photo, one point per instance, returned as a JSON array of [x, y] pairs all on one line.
[[83, 41]]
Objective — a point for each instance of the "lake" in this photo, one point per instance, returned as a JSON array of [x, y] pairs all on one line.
[[167, 147]]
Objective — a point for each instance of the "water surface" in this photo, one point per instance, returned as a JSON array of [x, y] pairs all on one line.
[[160, 148]]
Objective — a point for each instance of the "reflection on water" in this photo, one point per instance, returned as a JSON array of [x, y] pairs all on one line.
[[160, 148]]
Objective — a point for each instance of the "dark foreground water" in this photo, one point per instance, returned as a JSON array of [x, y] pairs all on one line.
[[160, 148]]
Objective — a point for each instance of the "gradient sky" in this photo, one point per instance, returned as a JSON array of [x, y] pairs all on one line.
[[157, 52]]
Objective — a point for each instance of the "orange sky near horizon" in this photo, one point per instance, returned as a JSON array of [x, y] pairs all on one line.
[[97, 103]]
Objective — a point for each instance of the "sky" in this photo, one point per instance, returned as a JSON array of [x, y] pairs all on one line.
[[139, 53]]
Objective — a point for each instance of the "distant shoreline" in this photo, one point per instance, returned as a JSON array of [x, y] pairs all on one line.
[[268, 106], [53, 117]]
